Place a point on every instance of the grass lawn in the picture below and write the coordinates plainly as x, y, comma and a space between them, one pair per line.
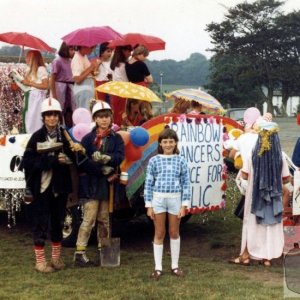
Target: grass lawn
207, 243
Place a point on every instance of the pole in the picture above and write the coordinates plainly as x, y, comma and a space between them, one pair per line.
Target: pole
161, 90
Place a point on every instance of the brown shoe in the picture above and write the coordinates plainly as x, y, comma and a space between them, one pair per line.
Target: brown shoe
43, 267
156, 274
57, 264
177, 272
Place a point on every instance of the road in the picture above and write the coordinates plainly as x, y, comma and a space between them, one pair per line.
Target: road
288, 133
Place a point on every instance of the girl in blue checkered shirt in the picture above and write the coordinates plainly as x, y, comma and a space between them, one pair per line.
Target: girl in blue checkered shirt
167, 194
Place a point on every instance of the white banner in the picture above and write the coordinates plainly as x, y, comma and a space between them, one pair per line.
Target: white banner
201, 144
11, 152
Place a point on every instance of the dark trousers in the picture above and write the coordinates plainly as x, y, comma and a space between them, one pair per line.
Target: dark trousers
47, 213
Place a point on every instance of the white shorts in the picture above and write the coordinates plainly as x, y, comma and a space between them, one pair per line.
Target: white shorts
165, 204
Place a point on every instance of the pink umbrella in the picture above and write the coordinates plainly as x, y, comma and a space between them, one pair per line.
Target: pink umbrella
24, 39
91, 36
152, 43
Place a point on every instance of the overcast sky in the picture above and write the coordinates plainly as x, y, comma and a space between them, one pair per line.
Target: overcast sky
181, 23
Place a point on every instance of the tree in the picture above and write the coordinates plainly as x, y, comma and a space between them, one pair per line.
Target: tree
249, 32
192, 71
231, 82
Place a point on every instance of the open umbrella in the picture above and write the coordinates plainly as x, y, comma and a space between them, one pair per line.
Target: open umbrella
152, 43
128, 90
25, 40
209, 103
91, 36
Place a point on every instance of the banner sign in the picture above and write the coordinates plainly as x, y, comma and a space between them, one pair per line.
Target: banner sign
12, 148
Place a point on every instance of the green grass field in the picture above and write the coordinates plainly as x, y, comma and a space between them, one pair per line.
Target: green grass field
208, 241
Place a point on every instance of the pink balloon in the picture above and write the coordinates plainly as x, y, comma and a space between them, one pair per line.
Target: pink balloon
251, 114
81, 115
80, 130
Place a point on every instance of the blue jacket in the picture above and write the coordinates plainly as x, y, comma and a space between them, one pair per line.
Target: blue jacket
92, 183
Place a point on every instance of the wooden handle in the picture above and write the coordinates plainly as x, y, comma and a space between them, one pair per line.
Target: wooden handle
111, 198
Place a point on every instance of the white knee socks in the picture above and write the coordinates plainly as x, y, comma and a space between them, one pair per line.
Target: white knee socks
158, 253
175, 251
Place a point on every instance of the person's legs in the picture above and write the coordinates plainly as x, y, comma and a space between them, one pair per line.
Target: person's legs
57, 215
174, 223
38, 217
89, 218
103, 228
159, 235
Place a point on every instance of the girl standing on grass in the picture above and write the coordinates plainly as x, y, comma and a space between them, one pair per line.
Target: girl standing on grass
167, 193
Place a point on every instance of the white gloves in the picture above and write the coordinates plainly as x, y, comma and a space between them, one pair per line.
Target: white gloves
102, 158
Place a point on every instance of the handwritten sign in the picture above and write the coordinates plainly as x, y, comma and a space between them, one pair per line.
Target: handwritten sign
201, 144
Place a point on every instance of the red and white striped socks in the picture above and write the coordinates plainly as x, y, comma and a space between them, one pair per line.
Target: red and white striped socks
39, 254
56, 250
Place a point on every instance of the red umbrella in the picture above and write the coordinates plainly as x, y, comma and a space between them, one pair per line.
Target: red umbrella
24, 39
91, 36
152, 43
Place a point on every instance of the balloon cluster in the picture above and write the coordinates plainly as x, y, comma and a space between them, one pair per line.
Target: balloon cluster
82, 119
134, 141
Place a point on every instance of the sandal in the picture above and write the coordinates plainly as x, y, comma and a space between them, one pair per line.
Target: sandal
156, 274
265, 262
239, 261
177, 272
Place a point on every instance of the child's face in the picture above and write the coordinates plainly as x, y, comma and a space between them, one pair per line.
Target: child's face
168, 146
103, 122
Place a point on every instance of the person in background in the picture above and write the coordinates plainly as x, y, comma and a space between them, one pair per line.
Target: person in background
117, 65
196, 108
136, 69
37, 78
61, 82
180, 107
83, 72
104, 72
264, 172
146, 111
46, 163
132, 115
167, 194
105, 151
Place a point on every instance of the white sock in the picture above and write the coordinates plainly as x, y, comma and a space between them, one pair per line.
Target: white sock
175, 251
158, 253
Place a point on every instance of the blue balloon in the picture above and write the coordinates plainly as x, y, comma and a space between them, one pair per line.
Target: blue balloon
139, 136
70, 131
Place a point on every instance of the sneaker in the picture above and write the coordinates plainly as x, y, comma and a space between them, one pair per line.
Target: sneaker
81, 260
43, 267
57, 264
48, 146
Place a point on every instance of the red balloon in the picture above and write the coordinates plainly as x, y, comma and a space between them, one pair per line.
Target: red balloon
132, 152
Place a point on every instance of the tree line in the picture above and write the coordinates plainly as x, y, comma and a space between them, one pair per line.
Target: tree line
256, 51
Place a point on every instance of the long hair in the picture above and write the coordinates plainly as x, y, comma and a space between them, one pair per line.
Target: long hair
146, 110
168, 133
119, 56
180, 106
35, 60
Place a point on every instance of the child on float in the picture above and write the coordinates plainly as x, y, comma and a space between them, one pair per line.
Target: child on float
105, 152
167, 195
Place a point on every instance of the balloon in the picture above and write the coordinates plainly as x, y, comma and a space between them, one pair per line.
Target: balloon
125, 136
251, 114
81, 115
80, 130
139, 136
132, 152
